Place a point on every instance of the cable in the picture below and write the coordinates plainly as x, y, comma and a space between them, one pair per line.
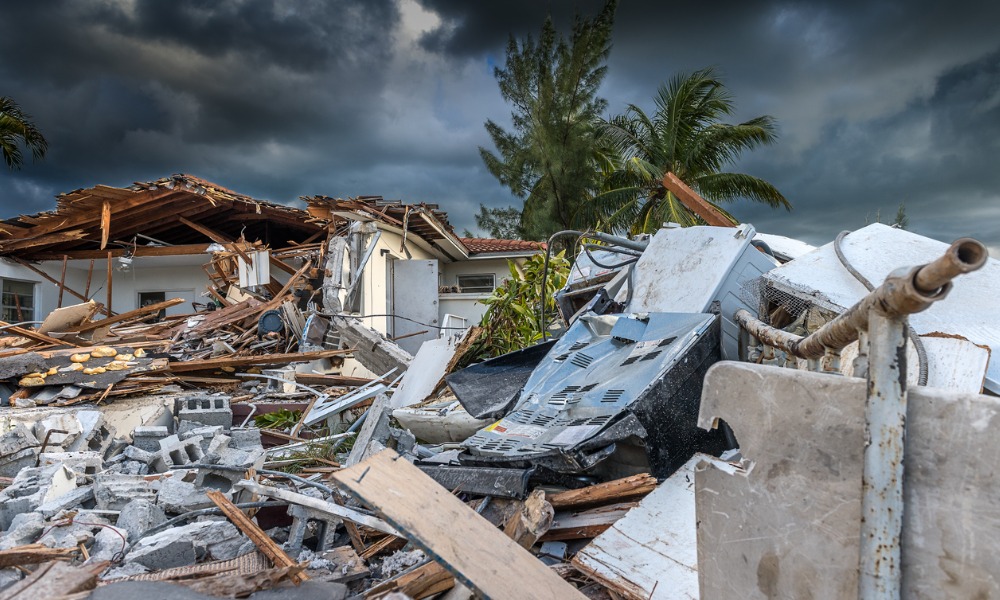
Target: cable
387, 315
200, 513
624, 263
918, 344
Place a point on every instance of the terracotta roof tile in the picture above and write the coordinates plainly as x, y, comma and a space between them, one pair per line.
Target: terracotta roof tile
486, 245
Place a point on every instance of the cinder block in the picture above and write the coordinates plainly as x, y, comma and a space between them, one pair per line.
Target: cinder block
148, 437
207, 410
113, 491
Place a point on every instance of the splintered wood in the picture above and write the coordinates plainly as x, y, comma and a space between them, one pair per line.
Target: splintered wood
466, 544
265, 544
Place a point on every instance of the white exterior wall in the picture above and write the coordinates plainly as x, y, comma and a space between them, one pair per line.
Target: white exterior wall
147, 274
469, 305
374, 278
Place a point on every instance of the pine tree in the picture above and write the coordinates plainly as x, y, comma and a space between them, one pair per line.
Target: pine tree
548, 157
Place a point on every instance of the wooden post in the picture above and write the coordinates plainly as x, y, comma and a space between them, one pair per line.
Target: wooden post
90, 273
108, 307
62, 281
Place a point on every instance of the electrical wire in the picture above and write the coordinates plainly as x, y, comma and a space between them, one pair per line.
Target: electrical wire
323, 314
918, 344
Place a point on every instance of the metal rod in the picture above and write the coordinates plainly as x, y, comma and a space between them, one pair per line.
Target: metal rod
880, 568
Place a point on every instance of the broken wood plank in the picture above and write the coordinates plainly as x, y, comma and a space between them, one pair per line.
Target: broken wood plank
450, 532
586, 524
619, 490
339, 380
264, 543
105, 223
532, 521
248, 361
55, 580
694, 202
422, 582
125, 316
110, 271
62, 281
321, 505
32, 554
140, 251
45, 275
32, 335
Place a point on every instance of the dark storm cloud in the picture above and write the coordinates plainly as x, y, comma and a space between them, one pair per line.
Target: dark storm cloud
877, 102
137, 90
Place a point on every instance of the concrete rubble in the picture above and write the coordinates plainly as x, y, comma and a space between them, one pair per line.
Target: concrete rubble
635, 455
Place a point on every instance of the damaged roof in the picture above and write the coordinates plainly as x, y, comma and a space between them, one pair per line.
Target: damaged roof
181, 210
187, 213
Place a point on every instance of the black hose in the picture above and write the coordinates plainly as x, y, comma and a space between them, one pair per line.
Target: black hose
586, 249
918, 344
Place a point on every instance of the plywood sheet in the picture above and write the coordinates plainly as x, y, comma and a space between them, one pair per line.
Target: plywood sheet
469, 546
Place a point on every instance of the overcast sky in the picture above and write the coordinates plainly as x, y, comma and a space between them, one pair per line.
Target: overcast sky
877, 102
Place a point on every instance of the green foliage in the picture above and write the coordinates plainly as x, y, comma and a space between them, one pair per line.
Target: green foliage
500, 223
16, 130
512, 319
280, 419
684, 135
548, 158
901, 221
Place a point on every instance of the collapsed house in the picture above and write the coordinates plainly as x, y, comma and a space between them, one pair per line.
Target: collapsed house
298, 416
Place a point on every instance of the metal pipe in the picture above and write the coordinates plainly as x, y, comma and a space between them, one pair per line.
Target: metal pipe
880, 568
902, 293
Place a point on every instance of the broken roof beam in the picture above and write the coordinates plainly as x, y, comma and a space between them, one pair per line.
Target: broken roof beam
695, 203
137, 252
371, 349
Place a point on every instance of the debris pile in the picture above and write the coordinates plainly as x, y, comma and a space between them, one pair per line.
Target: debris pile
225, 453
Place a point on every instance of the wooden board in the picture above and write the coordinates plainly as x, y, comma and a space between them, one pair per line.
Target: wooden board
469, 546
652, 552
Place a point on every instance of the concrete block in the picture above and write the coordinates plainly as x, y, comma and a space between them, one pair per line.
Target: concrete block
79, 497
164, 550
109, 542
207, 410
176, 453
63, 422
245, 438
84, 464
9, 577
305, 521
14, 463
218, 443
178, 496
18, 449
147, 437
139, 454
95, 434
139, 516
113, 491
24, 529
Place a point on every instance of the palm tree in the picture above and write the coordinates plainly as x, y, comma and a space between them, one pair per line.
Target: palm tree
684, 136
17, 129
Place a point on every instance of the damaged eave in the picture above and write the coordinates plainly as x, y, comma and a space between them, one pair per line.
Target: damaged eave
181, 211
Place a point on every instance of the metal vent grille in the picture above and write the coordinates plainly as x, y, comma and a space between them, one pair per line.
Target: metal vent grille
582, 360
612, 395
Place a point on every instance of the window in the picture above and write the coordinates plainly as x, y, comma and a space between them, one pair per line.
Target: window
18, 301
476, 284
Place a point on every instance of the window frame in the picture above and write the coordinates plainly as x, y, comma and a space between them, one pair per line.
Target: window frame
27, 313
479, 289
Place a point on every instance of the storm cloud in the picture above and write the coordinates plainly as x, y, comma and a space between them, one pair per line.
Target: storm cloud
878, 102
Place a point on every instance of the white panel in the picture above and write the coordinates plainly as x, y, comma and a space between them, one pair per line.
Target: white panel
415, 297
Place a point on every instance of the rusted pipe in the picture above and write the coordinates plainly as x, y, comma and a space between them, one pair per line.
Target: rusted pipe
904, 292
963, 256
